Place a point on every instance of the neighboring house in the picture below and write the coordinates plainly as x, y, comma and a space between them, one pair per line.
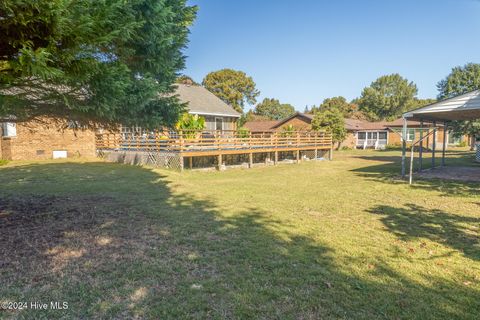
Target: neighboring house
44, 139
299, 121
360, 133
218, 115
260, 126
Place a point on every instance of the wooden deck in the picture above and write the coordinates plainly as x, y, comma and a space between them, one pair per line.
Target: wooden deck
212, 143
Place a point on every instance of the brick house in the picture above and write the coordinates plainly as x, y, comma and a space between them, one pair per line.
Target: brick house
47, 138
360, 133
44, 139
299, 121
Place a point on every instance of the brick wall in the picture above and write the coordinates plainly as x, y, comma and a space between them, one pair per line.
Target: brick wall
298, 123
395, 139
350, 140
37, 140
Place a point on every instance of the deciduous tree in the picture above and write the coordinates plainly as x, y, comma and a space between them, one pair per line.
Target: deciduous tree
232, 86
387, 98
461, 80
339, 103
274, 110
330, 120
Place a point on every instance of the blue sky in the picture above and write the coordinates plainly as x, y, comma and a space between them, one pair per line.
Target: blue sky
304, 51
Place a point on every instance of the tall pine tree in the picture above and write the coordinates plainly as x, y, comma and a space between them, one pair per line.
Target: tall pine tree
102, 61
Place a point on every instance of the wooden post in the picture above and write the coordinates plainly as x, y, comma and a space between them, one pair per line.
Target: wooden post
181, 162
297, 156
190, 162
315, 154
276, 158
219, 160
250, 160
444, 147
330, 153
434, 143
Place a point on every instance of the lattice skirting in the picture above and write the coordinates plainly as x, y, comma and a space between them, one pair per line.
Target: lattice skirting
169, 160
478, 152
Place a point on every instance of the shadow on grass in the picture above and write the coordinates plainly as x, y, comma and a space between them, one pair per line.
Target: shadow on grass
414, 221
118, 242
389, 172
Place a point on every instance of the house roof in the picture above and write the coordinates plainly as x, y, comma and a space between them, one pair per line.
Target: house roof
260, 126
203, 102
462, 107
306, 116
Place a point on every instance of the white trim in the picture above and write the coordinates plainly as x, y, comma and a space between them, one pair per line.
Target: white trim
214, 114
9, 129
377, 139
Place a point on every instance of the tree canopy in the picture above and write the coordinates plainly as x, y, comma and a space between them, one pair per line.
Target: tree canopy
387, 98
330, 120
272, 109
340, 103
103, 62
184, 79
233, 87
462, 80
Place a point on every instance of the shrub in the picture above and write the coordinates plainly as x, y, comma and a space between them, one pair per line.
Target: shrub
3, 162
190, 123
393, 146
287, 131
462, 144
243, 132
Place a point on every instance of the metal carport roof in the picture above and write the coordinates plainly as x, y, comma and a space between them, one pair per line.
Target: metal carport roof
462, 107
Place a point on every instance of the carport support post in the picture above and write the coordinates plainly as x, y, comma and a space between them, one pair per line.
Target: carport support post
434, 143
315, 154
181, 162
297, 156
420, 148
404, 145
190, 162
250, 160
276, 158
330, 153
444, 146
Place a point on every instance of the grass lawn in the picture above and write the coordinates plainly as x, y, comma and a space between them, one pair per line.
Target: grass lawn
331, 240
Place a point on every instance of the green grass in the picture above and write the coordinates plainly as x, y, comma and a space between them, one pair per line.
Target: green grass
333, 240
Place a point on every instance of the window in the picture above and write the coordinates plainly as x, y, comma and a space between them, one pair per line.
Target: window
9, 129
361, 135
411, 134
382, 136
219, 124
372, 136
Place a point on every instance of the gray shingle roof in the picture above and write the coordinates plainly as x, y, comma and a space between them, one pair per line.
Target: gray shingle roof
203, 102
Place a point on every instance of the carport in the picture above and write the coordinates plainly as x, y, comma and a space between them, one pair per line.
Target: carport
462, 107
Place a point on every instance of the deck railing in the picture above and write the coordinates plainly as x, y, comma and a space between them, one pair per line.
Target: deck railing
190, 141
